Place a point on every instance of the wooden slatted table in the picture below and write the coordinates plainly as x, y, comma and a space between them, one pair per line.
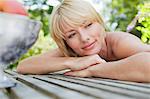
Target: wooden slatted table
58, 86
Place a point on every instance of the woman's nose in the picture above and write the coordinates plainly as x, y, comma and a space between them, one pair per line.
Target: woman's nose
84, 36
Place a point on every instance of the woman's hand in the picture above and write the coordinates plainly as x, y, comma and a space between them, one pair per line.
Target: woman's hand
133, 68
90, 71
81, 63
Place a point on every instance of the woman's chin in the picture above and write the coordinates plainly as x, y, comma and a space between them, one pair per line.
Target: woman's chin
92, 52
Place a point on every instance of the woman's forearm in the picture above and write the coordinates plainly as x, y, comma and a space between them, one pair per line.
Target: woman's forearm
42, 65
134, 68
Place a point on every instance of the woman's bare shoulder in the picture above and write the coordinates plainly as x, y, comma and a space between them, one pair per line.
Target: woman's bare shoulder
125, 44
119, 36
112, 37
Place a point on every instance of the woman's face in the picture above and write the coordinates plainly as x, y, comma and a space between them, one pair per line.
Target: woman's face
86, 39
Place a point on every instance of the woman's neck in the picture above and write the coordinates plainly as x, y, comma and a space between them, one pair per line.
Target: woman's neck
103, 51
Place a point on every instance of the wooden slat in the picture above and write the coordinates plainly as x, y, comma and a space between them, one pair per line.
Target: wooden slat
142, 85
55, 89
103, 86
113, 84
84, 89
22, 91
61, 92
145, 85
67, 87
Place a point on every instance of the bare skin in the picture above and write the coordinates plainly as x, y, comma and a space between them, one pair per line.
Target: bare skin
131, 61
125, 54
53, 61
114, 55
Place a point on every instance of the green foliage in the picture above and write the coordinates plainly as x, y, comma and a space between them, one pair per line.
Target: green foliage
144, 20
123, 12
39, 10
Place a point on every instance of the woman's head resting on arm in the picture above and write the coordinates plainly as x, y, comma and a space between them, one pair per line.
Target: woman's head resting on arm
77, 28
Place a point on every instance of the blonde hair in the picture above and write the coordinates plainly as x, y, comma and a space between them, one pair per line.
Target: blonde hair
72, 13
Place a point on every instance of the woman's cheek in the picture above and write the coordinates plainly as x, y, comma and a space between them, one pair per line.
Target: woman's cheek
72, 44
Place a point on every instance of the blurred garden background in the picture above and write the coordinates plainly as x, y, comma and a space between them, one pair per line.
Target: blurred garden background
119, 15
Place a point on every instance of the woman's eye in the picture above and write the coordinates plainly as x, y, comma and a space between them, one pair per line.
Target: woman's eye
88, 25
72, 35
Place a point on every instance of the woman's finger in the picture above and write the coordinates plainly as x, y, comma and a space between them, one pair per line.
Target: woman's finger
81, 73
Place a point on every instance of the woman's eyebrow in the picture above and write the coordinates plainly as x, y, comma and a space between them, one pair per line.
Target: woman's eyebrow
68, 31
84, 22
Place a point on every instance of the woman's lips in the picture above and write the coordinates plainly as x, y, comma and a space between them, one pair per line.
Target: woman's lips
89, 46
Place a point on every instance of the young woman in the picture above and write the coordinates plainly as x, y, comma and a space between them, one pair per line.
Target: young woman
88, 50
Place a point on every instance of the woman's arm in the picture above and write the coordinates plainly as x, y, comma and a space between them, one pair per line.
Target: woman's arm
134, 64
125, 45
41, 64
134, 68
54, 61
44, 63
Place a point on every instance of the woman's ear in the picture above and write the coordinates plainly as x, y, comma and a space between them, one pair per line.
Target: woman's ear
12, 6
